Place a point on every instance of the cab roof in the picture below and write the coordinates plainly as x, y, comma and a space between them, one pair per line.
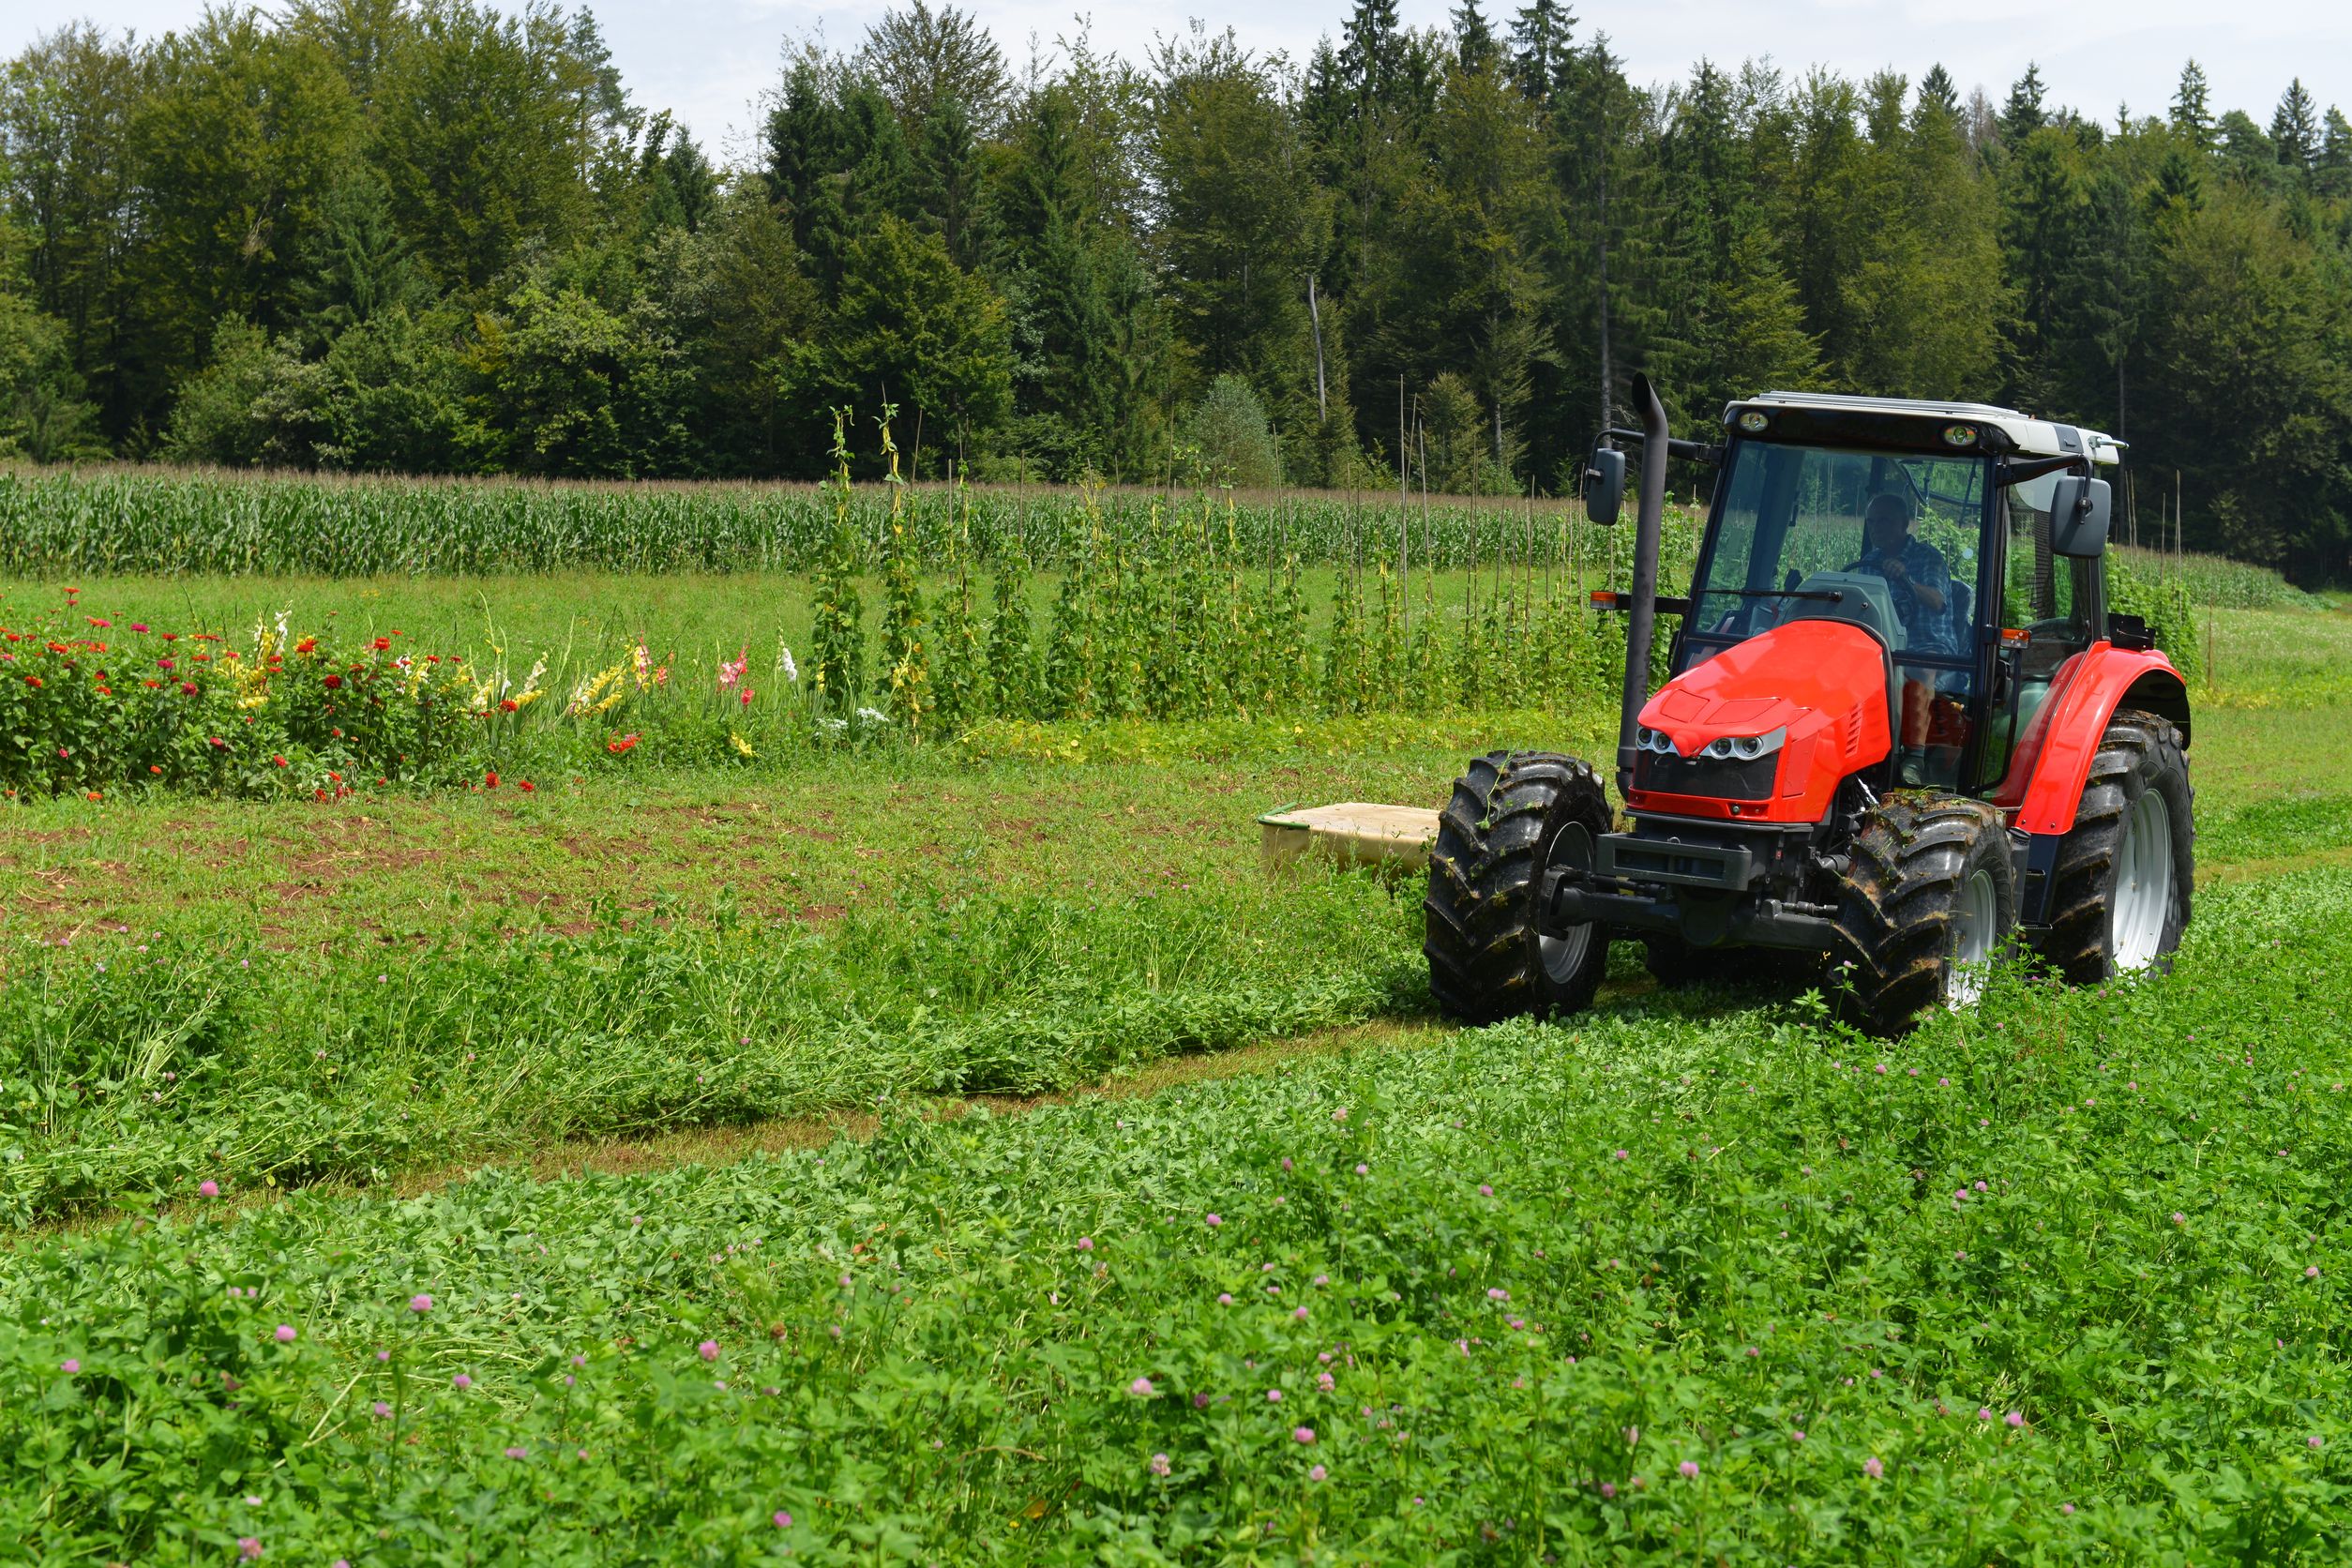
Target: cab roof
2024, 433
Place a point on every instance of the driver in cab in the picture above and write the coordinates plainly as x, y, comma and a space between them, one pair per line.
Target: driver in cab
1916, 575
1920, 582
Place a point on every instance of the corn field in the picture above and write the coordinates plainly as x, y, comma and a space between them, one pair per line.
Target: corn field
65, 522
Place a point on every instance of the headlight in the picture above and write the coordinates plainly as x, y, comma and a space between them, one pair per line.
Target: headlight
1744, 748
1648, 739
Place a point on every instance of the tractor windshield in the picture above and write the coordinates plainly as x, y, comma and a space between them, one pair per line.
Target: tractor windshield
1890, 540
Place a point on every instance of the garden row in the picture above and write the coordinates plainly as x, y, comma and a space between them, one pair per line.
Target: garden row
1176, 625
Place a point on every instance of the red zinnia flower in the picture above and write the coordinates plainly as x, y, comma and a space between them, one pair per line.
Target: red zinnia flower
616, 747
333, 681
524, 785
188, 688
155, 767
96, 622
32, 680
490, 780
507, 706
165, 664
380, 643
277, 760
306, 645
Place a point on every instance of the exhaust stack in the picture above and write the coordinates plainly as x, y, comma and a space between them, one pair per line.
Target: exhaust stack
1648, 517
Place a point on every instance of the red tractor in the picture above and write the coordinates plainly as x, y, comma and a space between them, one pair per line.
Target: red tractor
1901, 731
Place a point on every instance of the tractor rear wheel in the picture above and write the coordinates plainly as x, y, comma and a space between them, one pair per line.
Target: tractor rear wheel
2120, 894
1930, 902
1513, 816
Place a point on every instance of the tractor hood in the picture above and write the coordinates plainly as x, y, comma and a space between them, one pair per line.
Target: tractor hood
1816, 688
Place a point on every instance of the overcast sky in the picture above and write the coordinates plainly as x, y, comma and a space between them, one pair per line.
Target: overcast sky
708, 60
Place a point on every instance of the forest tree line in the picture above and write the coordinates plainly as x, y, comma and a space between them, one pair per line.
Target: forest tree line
428, 237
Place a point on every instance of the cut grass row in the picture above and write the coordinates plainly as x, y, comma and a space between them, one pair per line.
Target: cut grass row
230, 993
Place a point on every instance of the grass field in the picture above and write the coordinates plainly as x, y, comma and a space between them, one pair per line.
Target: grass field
1699, 1275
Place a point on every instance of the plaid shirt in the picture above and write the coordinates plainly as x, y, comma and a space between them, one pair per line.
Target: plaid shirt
1923, 629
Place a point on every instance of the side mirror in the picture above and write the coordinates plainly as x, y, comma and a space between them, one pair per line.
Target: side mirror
2079, 512
1604, 485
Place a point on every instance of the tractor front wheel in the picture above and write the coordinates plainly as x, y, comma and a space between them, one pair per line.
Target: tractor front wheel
1930, 902
1513, 816
2120, 894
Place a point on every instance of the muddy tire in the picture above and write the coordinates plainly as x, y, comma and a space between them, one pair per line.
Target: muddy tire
2120, 894
1929, 902
1510, 814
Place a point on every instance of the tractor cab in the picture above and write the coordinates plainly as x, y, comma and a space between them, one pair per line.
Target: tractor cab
1929, 526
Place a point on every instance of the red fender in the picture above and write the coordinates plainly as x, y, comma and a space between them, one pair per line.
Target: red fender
2052, 763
